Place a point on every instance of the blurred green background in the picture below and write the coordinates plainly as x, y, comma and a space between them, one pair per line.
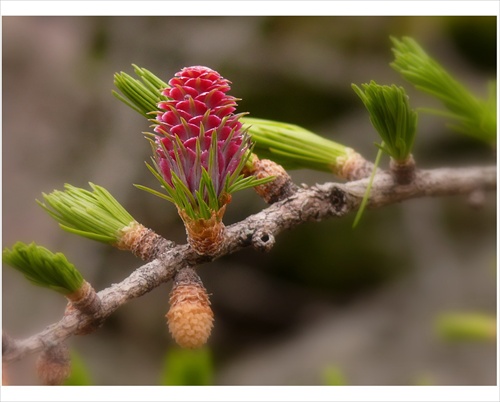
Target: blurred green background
363, 301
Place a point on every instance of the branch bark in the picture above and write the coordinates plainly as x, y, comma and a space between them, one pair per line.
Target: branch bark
259, 231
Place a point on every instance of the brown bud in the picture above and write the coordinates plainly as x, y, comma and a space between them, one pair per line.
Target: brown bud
280, 188
190, 318
205, 236
53, 366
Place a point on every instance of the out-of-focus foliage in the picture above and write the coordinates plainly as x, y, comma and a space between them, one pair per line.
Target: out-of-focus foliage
188, 367
466, 327
80, 373
334, 376
469, 114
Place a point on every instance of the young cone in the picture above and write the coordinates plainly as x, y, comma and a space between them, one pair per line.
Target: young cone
190, 318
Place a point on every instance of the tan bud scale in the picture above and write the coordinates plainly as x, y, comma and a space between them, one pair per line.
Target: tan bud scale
353, 166
205, 236
141, 241
279, 188
190, 318
85, 299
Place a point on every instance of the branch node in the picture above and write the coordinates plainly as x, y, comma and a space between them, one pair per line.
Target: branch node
338, 200
87, 301
403, 172
263, 241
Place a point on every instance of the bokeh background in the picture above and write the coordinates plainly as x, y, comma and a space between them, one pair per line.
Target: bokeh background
362, 301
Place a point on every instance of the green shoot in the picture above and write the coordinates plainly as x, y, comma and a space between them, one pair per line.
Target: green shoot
391, 116
43, 268
470, 115
142, 96
294, 147
95, 214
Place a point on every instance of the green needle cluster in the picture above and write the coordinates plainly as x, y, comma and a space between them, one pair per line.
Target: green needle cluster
294, 147
141, 95
470, 115
44, 268
392, 117
95, 214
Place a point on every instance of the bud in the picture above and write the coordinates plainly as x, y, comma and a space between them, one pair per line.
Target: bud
279, 188
190, 318
53, 366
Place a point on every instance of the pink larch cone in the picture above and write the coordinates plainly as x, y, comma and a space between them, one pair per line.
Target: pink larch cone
197, 131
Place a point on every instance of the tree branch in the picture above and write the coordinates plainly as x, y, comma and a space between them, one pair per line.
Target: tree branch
315, 203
